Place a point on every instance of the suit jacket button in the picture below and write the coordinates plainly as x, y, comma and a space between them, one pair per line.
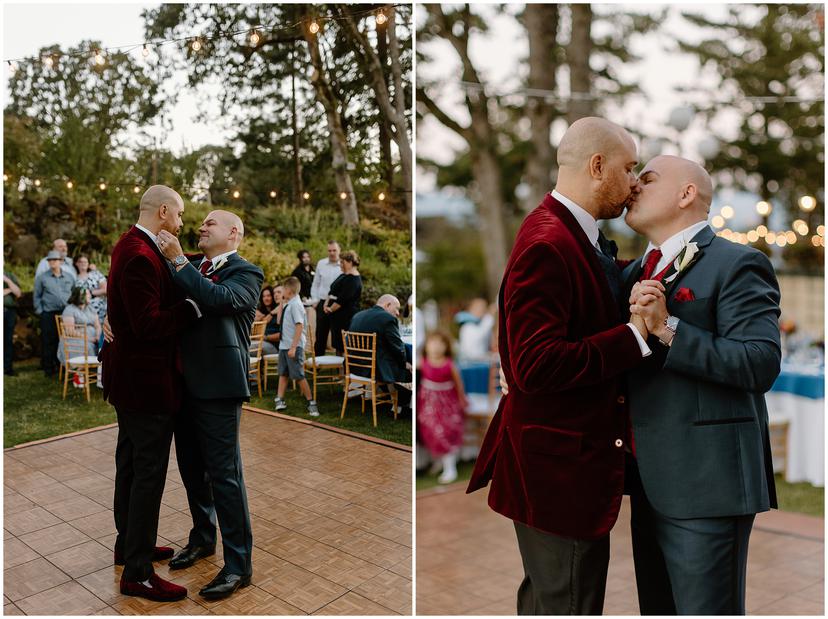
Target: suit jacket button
619, 442
621, 399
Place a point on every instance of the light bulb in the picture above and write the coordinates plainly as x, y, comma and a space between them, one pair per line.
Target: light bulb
196, 45
37, 182
236, 194
69, 184
752, 236
13, 66
762, 231
763, 208
381, 18
5, 177
770, 238
145, 51
306, 196
807, 203
314, 27
99, 58
727, 212
718, 221
821, 230
255, 38
48, 61
102, 186
136, 189
381, 196
343, 195
273, 194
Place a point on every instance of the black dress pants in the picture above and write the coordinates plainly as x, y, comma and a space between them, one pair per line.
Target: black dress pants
209, 460
693, 566
562, 576
323, 329
141, 458
49, 343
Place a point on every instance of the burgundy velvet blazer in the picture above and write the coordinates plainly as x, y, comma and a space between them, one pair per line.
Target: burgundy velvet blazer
141, 371
554, 451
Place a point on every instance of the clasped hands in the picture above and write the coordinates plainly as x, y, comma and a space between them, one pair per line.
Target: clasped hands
648, 308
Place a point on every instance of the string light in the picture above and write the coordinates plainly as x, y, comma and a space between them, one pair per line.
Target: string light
762, 231
381, 196
255, 38
306, 196
145, 51
807, 203
102, 186
381, 18
136, 189
770, 238
753, 236
343, 195
99, 57
314, 27
13, 66
196, 45
727, 212
236, 194
816, 240
763, 208
791, 236
718, 221
48, 61
821, 230
273, 193
781, 240
69, 184
5, 177
801, 227
37, 182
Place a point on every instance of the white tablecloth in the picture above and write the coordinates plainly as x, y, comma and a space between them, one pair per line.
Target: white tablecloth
806, 435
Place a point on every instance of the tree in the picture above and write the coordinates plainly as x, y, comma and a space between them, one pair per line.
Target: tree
770, 63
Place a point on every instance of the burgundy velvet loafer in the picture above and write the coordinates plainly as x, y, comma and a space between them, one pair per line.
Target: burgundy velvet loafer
159, 590
159, 554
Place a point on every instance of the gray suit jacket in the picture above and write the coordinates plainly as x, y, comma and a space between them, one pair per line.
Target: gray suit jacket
699, 418
215, 350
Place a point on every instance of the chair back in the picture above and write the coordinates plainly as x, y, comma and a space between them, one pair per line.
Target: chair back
257, 332
360, 352
73, 345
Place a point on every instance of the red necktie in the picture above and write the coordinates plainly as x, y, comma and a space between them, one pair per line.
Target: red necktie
650, 264
205, 266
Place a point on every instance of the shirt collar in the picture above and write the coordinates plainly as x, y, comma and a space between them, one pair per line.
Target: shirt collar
219, 257
153, 237
672, 246
584, 219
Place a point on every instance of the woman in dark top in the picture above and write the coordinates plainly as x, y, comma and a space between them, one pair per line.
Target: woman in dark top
343, 299
270, 310
304, 272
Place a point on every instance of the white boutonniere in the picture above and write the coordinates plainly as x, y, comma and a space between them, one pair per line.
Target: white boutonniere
220, 264
683, 260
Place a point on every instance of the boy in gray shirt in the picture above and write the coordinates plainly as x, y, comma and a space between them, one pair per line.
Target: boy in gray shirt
292, 347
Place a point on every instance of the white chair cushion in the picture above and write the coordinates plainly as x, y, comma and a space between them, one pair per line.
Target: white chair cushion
328, 360
362, 379
481, 405
88, 360
255, 360
271, 357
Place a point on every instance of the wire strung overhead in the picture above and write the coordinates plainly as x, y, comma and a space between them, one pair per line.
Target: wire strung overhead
256, 35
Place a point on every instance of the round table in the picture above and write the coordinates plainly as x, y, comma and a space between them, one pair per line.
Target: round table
798, 398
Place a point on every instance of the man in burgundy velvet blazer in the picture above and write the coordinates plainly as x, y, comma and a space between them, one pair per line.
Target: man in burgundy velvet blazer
554, 452
143, 381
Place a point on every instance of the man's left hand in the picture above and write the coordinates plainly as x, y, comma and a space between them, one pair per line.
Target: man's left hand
107, 330
169, 245
292, 352
654, 312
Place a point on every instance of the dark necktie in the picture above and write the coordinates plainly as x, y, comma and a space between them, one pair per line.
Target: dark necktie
605, 252
205, 267
650, 264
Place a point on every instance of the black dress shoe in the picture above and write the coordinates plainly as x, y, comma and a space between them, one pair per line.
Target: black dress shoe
189, 555
223, 585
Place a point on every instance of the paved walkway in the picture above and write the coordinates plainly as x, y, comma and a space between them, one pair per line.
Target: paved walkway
331, 518
468, 563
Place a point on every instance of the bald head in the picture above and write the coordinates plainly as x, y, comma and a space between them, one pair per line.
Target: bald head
589, 136
221, 232
390, 304
157, 196
673, 193
161, 208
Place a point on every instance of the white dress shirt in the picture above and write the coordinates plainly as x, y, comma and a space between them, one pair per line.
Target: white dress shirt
326, 273
215, 260
590, 228
671, 248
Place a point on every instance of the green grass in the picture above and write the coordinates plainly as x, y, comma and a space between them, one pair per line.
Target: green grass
801, 498
34, 409
329, 400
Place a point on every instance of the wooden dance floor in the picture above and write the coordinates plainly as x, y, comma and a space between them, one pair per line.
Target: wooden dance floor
331, 517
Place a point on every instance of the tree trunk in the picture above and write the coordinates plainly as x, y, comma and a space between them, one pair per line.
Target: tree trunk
298, 190
393, 110
577, 56
487, 176
382, 121
542, 27
339, 143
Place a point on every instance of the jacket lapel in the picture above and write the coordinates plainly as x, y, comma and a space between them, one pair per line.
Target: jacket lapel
588, 251
703, 238
149, 243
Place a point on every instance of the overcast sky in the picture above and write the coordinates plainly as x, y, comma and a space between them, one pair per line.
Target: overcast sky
31, 26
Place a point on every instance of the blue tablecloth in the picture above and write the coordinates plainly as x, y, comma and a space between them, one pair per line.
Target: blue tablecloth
475, 375
810, 385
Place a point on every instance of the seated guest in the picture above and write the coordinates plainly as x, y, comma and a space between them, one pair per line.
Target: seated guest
266, 304
343, 298
392, 366
273, 329
79, 316
94, 281
476, 331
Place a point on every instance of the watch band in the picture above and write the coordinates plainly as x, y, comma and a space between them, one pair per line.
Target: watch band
671, 324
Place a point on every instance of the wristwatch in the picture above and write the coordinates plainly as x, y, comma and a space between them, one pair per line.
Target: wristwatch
671, 324
179, 260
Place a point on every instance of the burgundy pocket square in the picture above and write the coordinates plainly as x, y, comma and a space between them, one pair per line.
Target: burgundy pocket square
684, 294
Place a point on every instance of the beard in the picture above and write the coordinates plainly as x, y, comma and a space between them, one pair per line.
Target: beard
613, 197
